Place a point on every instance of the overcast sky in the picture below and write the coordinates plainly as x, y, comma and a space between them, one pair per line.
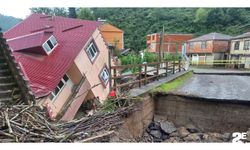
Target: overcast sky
20, 8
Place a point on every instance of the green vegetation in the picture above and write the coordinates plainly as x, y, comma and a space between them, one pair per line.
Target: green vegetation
131, 59
172, 85
138, 22
171, 57
150, 57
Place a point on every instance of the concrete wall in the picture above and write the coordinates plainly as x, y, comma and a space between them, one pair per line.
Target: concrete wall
207, 115
138, 121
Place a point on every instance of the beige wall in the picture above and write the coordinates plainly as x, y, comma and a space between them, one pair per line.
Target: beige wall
81, 66
56, 105
240, 51
92, 71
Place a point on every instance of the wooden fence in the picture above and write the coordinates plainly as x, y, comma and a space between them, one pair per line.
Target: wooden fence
146, 73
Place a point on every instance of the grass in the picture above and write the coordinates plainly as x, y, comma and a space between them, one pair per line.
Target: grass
174, 84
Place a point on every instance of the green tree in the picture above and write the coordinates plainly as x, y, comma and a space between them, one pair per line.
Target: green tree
56, 11
86, 14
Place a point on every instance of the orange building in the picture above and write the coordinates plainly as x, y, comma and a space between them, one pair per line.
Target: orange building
172, 42
112, 35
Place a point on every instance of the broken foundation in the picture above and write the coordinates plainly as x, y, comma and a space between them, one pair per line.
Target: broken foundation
209, 115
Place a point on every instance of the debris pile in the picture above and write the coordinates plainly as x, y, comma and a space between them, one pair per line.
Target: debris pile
22, 123
161, 130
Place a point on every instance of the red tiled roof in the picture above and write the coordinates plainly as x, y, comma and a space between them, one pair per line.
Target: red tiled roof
45, 72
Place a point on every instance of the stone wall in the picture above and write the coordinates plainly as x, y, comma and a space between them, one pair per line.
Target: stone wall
208, 115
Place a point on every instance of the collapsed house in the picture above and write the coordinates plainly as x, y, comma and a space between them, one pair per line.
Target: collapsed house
65, 61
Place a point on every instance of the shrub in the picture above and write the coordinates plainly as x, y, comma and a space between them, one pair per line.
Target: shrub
132, 59
149, 57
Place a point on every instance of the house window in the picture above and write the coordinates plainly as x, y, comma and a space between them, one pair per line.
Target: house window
236, 45
246, 45
59, 87
104, 76
203, 45
191, 45
50, 44
92, 51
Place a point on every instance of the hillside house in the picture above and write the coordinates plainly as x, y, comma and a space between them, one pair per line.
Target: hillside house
240, 49
172, 43
112, 35
207, 48
64, 59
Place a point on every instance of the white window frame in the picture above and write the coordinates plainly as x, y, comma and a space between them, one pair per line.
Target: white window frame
53, 94
92, 47
105, 72
46, 46
246, 45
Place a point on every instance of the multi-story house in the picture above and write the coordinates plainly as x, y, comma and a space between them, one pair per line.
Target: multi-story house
207, 48
65, 61
240, 50
171, 43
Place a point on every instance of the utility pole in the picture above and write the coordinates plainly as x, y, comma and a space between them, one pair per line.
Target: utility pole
161, 43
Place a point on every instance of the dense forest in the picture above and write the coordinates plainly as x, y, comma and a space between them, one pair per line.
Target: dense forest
138, 22
7, 22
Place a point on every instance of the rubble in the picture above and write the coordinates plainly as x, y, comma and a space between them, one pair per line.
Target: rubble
23, 123
161, 130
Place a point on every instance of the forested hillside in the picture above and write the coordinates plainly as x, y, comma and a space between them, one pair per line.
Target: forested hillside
138, 22
7, 22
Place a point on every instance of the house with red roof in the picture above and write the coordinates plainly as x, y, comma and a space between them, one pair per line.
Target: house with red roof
65, 61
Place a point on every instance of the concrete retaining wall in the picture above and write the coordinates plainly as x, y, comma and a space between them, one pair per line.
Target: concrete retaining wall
214, 116
138, 121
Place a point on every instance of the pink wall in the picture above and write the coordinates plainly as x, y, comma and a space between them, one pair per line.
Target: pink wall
92, 71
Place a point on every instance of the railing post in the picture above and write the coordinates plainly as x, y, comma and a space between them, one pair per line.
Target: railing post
145, 74
179, 65
140, 76
157, 72
173, 66
115, 79
166, 68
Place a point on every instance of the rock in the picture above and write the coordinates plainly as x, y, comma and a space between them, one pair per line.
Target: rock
226, 137
193, 137
183, 132
167, 127
156, 133
173, 140
164, 136
174, 134
192, 129
212, 137
154, 126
